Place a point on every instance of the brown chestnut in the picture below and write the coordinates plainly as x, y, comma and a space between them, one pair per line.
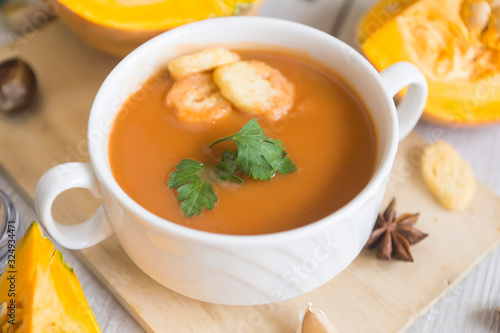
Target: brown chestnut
17, 85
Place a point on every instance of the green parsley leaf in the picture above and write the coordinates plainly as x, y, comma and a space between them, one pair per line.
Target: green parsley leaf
226, 167
284, 164
259, 156
229, 155
194, 191
224, 172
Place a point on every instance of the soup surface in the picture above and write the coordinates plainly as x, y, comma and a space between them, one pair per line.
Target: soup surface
329, 135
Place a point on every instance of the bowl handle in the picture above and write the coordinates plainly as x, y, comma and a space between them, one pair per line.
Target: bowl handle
411, 106
57, 180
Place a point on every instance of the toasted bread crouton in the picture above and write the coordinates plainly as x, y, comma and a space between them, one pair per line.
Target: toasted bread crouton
448, 175
205, 60
196, 99
256, 88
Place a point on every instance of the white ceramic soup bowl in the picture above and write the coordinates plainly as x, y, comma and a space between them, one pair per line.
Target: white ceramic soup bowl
228, 269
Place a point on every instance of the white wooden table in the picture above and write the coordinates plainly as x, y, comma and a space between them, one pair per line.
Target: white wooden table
472, 306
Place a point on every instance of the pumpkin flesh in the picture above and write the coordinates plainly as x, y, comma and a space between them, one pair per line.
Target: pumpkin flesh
119, 26
463, 75
150, 14
48, 296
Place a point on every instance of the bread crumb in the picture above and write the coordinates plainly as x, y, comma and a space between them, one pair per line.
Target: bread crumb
256, 88
196, 99
205, 60
448, 175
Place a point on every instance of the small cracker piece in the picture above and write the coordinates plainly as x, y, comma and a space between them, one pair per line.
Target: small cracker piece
448, 175
256, 88
205, 60
196, 99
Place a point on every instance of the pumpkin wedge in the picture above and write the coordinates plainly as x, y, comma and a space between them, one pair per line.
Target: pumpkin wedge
119, 26
461, 64
40, 293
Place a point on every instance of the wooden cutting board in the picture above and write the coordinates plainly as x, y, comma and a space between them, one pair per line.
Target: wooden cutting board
369, 296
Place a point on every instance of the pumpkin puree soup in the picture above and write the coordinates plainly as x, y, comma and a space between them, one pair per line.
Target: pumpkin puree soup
328, 134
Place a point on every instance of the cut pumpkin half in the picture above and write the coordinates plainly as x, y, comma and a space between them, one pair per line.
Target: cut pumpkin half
119, 26
463, 72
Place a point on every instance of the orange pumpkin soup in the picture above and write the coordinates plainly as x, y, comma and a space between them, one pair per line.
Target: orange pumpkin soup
328, 134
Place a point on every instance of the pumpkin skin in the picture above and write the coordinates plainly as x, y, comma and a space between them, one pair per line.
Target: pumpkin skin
48, 296
119, 26
431, 34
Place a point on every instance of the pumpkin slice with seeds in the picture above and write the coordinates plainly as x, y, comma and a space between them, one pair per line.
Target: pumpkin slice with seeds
452, 46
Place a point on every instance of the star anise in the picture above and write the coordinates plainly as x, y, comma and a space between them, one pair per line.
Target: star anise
393, 236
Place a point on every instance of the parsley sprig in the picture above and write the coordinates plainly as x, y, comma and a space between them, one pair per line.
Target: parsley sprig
258, 156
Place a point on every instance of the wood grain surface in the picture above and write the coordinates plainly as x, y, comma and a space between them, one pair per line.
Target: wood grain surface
481, 152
